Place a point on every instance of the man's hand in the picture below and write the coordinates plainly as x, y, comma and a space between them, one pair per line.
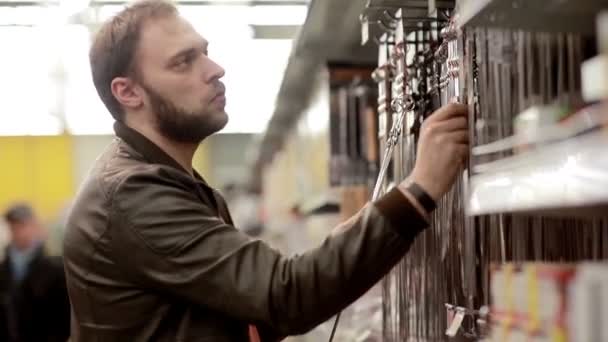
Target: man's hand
442, 149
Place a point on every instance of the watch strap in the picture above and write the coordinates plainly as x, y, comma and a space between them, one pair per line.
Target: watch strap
422, 197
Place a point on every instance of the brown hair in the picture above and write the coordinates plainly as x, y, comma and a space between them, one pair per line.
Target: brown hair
114, 46
19, 213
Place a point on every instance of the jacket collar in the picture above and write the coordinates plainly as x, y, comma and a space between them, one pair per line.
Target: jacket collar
154, 154
145, 146
149, 150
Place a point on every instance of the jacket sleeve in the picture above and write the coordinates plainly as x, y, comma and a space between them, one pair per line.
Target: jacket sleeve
169, 241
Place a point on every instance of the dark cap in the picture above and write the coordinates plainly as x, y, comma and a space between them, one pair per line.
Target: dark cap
19, 213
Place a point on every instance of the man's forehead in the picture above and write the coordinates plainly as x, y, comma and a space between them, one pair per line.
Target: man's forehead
164, 36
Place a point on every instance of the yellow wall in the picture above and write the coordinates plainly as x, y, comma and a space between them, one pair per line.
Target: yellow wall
47, 171
38, 170
200, 162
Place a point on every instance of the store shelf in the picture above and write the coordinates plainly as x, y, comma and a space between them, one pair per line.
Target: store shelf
567, 178
408, 4
536, 15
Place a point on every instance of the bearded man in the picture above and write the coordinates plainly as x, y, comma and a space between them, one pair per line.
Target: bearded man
150, 251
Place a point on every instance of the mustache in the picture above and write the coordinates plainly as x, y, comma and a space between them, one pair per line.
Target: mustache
220, 89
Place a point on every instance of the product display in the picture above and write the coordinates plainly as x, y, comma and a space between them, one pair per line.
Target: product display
534, 188
530, 302
529, 212
353, 126
544, 302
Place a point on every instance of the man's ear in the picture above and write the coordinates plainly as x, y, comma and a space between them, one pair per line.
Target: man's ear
126, 92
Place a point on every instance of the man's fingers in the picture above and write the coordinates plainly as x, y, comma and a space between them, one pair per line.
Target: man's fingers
453, 124
459, 137
461, 150
449, 111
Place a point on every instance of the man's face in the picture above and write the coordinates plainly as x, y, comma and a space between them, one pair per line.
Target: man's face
182, 87
24, 234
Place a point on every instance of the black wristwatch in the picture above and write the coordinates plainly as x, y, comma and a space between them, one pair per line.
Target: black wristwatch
422, 197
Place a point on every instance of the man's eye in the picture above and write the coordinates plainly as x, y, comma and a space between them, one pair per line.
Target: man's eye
184, 62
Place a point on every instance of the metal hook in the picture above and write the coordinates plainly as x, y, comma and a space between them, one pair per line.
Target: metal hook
386, 28
389, 15
445, 15
483, 313
363, 17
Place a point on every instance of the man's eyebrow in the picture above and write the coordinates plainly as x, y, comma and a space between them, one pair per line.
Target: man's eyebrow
190, 51
182, 53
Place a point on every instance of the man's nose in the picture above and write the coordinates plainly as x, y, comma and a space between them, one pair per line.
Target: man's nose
214, 71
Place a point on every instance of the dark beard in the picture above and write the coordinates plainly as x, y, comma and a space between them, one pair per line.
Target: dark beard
181, 125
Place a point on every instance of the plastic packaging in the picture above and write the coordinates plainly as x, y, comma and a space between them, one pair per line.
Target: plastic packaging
566, 168
594, 77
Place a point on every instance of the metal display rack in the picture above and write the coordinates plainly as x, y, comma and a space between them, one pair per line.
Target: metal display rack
536, 196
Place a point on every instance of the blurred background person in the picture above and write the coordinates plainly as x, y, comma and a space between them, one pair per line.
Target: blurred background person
34, 299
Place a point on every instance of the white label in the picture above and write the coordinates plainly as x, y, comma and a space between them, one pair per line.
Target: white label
455, 325
364, 32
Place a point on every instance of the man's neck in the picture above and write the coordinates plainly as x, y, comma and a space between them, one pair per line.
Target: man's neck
182, 153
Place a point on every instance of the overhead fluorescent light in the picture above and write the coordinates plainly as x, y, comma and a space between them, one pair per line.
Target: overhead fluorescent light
275, 31
277, 15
